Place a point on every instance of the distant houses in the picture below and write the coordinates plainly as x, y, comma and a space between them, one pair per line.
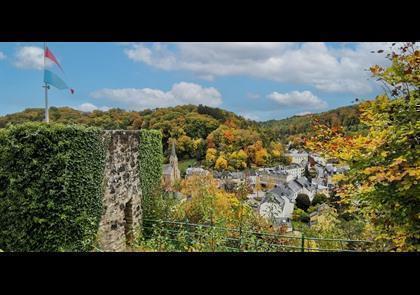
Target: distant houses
276, 190
279, 202
292, 188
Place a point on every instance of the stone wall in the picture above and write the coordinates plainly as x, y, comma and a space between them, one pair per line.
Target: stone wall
122, 193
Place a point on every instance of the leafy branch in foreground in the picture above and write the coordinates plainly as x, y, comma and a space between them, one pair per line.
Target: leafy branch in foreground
383, 183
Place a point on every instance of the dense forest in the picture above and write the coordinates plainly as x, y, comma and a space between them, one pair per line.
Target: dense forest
347, 117
217, 138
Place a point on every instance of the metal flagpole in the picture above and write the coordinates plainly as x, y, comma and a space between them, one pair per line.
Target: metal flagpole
47, 117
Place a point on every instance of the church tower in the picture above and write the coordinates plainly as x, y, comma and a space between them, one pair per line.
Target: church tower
173, 159
171, 171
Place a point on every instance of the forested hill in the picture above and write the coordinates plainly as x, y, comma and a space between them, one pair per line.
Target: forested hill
167, 119
121, 119
193, 121
347, 116
201, 132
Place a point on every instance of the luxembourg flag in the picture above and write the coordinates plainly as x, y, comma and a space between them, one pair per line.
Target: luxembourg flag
50, 77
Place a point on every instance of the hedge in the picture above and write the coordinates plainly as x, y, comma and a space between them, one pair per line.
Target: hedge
150, 165
50, 187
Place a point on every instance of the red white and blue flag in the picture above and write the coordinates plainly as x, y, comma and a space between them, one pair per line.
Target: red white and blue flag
52, 78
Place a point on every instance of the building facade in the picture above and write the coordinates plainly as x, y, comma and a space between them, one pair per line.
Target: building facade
298, 157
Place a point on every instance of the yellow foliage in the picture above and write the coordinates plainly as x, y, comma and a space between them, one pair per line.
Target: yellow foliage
221, 163
276, 150
211, 155
261, 157
206, 202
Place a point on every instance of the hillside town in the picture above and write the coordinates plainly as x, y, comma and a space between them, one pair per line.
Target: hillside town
169, 165
275, 191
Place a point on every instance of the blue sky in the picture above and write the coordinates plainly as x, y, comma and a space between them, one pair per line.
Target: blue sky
258, 80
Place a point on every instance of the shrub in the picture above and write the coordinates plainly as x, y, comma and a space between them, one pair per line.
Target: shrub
319, 198
50, 187
301, 215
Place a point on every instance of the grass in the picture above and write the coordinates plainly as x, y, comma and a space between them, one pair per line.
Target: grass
184, 164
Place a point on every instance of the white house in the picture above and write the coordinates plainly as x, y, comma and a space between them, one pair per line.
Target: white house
277, 206
277, 203
298, 157
196, 171
295, 170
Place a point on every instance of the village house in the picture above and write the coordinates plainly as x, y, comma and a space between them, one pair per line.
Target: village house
281, 174
318, 159
231, 180
331, 169
196, 171
321, 186
295, 170
307, 187
278, 203
277, 206
298, 157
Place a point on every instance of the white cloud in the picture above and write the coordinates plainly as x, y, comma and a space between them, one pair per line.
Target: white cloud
303, 113
330, 69
298, 99
180, 93
30, 57
88, 107
158, 56
2, 55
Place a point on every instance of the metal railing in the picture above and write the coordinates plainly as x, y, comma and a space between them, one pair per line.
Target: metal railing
213, 238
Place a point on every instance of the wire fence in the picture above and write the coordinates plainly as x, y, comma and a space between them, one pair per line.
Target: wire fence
184, 236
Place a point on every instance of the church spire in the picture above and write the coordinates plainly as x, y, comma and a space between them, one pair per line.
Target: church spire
173, 153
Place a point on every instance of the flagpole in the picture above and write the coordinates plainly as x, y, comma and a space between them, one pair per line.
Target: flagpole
47, 117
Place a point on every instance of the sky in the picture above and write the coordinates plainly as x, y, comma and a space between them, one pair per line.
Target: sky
260, 81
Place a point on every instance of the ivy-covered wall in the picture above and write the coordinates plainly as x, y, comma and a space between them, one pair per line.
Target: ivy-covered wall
150, 165
50, 187
52, 180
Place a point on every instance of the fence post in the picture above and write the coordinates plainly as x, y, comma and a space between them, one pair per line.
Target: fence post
302, 248
240, 239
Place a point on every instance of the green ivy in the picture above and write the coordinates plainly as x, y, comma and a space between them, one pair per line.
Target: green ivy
50, 187
150, 163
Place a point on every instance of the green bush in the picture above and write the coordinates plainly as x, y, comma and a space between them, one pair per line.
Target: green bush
150, 163
301, 216
50, 187
319, 199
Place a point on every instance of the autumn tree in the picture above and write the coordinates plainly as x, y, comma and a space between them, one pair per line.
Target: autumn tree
221, 163
383, 182
237, 160
211, 157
